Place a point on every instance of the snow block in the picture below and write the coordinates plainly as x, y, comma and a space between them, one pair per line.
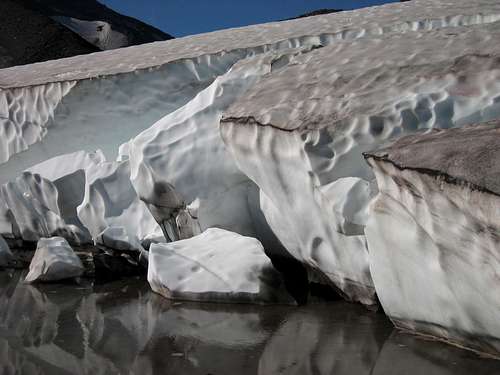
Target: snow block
215, 266
434, 234
54, 260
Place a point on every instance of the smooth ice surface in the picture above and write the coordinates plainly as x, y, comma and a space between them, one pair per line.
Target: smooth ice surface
54, 260
304, 127
5, 253
434, 236
215, 266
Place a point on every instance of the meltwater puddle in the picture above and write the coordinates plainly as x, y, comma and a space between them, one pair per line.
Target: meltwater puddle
124, 328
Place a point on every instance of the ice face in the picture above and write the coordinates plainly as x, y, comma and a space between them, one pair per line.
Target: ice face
433, 234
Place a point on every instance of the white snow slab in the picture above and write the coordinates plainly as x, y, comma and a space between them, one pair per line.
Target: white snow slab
434, 234
54, 260
5, 253
215, 266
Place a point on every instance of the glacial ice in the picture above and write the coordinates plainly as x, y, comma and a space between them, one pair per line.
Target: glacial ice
215, 266
434, 234
54, 260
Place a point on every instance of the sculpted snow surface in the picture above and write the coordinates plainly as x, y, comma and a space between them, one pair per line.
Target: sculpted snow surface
436, 273
304, 127
216, 266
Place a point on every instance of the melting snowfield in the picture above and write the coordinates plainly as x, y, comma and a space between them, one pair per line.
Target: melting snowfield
140, 153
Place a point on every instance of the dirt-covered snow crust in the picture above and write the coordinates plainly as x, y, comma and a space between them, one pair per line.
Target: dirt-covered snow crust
258, 130
434, 234
468, 155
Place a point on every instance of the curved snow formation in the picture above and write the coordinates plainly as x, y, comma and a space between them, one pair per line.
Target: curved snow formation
111, 209
435, 273
302, 130
216, 266
43, 201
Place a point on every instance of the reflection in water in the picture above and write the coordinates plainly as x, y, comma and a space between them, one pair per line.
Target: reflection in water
123, 328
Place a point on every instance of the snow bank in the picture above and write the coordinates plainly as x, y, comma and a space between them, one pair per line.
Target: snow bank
434, 234
54, 260
215, 266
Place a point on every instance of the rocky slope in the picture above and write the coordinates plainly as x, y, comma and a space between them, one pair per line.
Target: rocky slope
33, 31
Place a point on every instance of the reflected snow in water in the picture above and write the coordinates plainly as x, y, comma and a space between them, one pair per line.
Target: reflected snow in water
124, 328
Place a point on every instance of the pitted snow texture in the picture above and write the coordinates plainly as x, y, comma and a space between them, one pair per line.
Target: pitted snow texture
367, 22
216, 266
25, 114
469, 155
305, 126
434, 248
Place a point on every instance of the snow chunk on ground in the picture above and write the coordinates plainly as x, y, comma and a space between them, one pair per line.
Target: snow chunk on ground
434, 234
5, 253
215, 266
54, 260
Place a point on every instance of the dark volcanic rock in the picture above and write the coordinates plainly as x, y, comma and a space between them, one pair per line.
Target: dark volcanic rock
30, 31
27, 37
137, 32
317, 13
464, 155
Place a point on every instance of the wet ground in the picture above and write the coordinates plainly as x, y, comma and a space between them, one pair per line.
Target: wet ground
124, 328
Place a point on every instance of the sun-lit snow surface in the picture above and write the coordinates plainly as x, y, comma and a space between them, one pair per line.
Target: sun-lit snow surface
298, 133
434, 234
54, 260
98, 33
215, 266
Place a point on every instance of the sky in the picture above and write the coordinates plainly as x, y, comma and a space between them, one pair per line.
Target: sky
187, 17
